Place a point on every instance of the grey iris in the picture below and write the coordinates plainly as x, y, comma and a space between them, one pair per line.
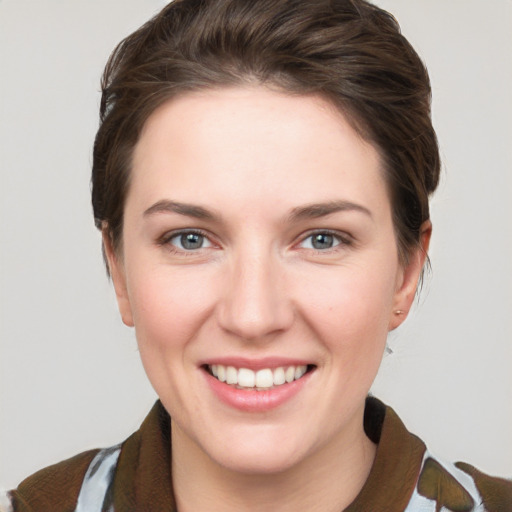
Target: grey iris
322, 241
191, 240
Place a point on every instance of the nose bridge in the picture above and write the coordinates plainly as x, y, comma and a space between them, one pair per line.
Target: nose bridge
255, 302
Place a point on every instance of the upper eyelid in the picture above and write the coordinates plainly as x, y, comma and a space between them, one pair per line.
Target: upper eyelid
169, 235
343, 236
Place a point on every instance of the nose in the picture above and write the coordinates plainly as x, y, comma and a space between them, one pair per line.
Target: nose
255, 305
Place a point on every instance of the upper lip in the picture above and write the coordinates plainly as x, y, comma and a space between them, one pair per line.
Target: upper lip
256, 364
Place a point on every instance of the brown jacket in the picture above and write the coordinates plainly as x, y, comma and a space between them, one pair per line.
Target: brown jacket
404, 476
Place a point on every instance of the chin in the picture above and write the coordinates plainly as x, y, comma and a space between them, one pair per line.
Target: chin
259, 462
265, 452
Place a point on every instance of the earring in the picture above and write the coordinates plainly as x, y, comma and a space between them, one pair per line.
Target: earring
399, 312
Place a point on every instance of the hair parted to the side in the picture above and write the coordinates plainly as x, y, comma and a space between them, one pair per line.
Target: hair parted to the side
348, 51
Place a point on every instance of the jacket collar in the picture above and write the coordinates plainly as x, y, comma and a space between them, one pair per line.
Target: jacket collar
143, 478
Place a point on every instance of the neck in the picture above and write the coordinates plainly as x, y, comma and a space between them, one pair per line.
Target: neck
327, 481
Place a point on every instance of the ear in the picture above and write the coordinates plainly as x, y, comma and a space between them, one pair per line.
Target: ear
409, 277
118, 276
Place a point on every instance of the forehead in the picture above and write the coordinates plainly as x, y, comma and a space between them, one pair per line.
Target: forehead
251, 143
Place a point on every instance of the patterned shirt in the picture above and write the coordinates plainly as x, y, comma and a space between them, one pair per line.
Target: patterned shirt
136, 476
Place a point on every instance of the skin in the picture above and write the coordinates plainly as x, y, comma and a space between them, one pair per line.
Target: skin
258, 288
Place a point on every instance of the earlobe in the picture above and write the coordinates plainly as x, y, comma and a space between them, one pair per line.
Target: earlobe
118, 279
409, 279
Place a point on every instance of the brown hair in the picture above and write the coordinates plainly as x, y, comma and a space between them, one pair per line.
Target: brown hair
349, 51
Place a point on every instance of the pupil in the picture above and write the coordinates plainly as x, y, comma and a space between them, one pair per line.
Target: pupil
322, 241
191, 241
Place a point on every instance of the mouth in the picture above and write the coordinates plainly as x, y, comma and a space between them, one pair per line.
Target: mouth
263, 379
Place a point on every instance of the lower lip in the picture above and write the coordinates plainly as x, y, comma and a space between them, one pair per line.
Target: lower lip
251, 400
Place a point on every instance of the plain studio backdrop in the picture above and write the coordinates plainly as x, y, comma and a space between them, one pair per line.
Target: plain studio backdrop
70, 374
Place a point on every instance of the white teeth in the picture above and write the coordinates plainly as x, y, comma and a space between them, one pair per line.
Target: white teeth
246, 378
231, 375
299, 372
221, 372
264, 378
279, 377
261, 379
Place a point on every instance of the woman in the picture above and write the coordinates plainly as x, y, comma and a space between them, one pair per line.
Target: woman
261, 178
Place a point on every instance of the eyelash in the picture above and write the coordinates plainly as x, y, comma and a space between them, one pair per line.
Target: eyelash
343, 240
165, 241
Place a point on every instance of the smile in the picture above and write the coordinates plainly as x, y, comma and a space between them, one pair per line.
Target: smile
260, 380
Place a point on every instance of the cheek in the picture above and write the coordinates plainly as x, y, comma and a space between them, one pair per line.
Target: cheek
349, 307
169, 307
170, 311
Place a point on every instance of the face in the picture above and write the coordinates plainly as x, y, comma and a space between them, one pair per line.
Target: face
259, 267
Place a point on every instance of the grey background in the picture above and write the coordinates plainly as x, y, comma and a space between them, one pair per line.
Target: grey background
70, 376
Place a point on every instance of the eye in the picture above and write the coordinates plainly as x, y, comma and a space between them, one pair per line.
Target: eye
189, 241
321, 241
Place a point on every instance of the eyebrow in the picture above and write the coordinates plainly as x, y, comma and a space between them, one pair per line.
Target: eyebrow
190, 210
317, 210
310, 211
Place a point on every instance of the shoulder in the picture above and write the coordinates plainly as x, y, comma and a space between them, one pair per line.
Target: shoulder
406, 476
496, 492
459, 487
86, 481
55, 488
